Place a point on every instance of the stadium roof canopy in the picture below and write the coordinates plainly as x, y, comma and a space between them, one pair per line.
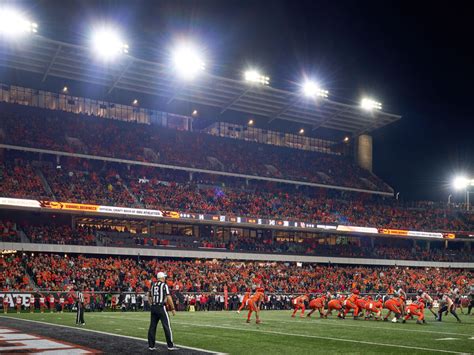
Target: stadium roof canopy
47, 57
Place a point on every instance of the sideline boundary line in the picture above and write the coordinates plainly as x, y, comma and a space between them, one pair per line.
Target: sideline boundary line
112, 334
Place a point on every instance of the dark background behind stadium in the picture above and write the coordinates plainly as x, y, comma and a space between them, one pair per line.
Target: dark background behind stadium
413, 57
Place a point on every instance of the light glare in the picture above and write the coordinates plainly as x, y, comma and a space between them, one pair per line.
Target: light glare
107, 44
187, 61
369, 104
311, 89
13, 23
254, 77
462, 182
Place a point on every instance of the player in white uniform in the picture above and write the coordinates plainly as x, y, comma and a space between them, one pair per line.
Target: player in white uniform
446, 305
428, 301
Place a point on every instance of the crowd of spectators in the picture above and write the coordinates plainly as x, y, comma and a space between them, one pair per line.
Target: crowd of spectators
8, 231
59, 234
61, 131
13, 275
58, 273
88, 186
114, 185
18, 179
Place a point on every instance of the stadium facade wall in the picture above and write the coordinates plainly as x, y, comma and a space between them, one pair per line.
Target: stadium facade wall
215, 254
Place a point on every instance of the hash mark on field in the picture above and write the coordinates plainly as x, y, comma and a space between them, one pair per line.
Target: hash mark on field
448, 339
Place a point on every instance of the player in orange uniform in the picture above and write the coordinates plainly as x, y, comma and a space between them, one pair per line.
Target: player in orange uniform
361, 303
298, 303
351, 303
335, 304
317, 304
393, 305
244, 301
416, 309
372, 307
253, 305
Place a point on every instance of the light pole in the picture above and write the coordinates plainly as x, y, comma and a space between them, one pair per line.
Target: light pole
463, 183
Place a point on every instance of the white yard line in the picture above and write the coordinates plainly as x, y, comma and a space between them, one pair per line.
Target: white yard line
113, 334
329, 322
322, 338
341, 323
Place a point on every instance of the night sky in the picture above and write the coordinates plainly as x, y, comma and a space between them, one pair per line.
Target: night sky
414, 57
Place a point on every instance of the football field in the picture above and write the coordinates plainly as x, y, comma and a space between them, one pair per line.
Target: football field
227, 332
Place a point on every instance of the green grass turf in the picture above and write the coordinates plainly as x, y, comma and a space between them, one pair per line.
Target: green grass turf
280, 334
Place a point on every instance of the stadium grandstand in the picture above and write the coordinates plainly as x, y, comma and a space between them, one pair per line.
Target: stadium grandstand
212, 183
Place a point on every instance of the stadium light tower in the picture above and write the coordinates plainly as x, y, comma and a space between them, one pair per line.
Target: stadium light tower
188, 62
369, 104
253, 76
312, 90
14, 24
463, 183
107, 43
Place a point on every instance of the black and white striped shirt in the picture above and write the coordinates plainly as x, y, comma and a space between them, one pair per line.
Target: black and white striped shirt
159, 290
80, 297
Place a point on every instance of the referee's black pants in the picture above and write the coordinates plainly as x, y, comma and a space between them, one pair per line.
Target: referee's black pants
159, 313
80, 313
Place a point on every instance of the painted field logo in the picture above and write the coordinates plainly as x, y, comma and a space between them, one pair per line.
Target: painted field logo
15, 341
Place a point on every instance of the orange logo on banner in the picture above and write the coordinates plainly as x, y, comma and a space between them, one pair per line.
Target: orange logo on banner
171, 214
68, 206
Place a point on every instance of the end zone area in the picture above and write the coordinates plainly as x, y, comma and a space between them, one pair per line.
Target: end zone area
227, 332
22, 335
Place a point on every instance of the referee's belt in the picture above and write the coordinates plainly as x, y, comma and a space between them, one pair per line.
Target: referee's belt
158, 304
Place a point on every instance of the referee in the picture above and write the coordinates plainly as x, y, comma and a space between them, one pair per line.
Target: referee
159, 296
80, 308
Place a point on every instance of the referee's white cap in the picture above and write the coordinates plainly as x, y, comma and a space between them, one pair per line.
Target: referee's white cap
161, 275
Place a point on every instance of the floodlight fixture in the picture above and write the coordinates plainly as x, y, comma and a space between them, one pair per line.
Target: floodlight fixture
195, 112
15, 24
462, 183
188, 62
301, 131
255, 77
251, 122
369, 104
65, 90
107, 43
135, 102
346, 139
312, 89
